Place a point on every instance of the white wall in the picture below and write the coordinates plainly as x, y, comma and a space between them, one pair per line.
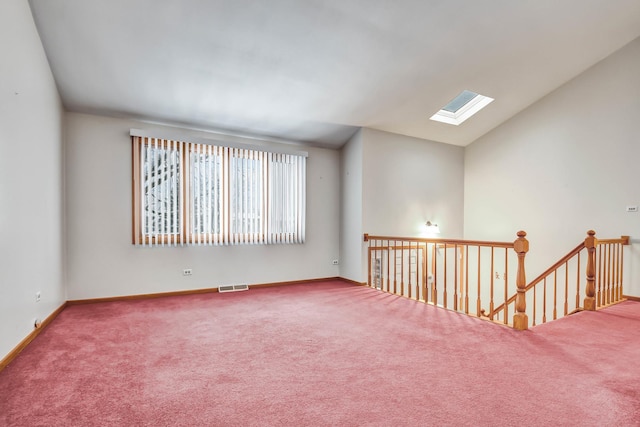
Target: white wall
566, 164
102, 260
351, 252
392, 185
31, 181
409, 181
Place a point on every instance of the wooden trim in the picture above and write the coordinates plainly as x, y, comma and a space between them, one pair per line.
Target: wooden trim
351, 282
623, 240
631, 298
293, 282
142, 296
439, 241
32, 335
195, 291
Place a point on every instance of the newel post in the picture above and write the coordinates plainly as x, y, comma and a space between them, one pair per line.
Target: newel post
520, 319
590, 243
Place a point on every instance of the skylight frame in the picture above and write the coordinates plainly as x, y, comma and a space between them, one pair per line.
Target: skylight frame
474, 105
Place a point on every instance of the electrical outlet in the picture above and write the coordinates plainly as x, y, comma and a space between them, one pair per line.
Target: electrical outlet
38, 296
187, 272
335, 262
632, 209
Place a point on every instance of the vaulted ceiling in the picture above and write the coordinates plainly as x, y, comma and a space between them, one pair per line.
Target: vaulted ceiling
316, 70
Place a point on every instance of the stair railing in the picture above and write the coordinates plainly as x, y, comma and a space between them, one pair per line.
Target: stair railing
454, 273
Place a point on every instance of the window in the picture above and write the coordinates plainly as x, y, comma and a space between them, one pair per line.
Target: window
460, 108
201, 194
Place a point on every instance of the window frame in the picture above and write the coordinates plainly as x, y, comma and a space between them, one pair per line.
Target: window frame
266, 233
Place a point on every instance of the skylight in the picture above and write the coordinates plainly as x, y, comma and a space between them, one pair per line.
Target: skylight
462, 107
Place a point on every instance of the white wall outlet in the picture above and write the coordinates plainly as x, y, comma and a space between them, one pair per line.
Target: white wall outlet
187, 272
38, 295
632, 208
334, 262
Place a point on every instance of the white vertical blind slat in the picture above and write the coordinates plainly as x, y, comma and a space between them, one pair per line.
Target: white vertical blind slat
193, 193
154, 223
243, 209
216, 216
209, 195
162, 180
227, 198
303, 204
184, 212
176, 190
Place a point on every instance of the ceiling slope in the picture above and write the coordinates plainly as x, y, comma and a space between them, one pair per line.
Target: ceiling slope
316, 70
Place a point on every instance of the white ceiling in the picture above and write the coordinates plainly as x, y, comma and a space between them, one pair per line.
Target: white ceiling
316, 70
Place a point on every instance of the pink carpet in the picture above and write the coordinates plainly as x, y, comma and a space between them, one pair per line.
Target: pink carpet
321, 354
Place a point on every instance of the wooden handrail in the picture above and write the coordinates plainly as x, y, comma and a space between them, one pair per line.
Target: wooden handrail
624, 240
508, 245
541, 277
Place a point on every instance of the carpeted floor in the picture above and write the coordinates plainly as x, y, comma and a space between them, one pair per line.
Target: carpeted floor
321, 354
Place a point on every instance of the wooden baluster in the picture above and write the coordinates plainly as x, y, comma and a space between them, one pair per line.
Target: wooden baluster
578, 282
620, 290
590, 244
409, 287
620, 272
424, 272
466, 280
605, 273
534, 305
402, 289
506, 286
616, 281
434, 266
520, 319
478, 298
395, 268
555, 294
544, 301
616, 262
608, 291
600, 280
444, 295
566, 288
388, 266
380, 259
369, 283
455, 277
491, 286
417, 271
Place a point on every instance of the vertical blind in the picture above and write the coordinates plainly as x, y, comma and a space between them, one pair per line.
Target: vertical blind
201, 194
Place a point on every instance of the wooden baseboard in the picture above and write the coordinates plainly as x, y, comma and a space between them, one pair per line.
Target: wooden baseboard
631, 298
199, 291
352, 282
32, 335
292, 282
142, 296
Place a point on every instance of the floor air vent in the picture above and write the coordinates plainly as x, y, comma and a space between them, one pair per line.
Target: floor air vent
233, 288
